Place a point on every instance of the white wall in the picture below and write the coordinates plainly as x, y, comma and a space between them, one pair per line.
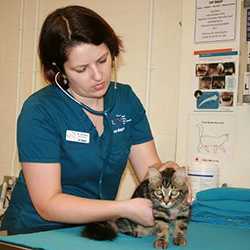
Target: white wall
157, 63
151, 33
237, 170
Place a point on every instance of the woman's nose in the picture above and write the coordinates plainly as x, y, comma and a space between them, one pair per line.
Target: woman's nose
96, 73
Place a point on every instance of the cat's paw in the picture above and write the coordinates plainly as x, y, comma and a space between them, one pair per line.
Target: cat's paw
180, 241
161, 243
139, 232
135, 234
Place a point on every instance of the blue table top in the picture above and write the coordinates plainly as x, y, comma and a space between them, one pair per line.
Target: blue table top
200, 236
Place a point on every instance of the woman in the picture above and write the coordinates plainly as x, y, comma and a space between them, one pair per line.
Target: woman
75, 135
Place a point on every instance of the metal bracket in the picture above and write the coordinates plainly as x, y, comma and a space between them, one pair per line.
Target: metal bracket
246, 3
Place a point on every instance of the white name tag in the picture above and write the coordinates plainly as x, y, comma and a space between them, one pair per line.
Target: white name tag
76, 136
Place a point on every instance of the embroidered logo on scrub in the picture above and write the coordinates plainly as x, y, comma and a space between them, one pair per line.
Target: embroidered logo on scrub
77, 136
119, 121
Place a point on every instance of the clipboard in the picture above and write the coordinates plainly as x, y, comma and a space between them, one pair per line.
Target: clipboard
10, 246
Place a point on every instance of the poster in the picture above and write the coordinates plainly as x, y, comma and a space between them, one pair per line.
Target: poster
215, 80
215, 20
248, 26
210, 143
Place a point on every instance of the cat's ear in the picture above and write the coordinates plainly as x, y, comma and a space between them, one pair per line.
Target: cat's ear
154, 176
180, 176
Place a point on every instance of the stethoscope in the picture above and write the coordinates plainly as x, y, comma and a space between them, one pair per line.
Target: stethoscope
105, 112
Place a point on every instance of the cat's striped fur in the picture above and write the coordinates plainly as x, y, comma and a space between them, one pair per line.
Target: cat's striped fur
168, 192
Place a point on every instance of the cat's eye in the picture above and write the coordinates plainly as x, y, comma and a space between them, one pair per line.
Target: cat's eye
158, 193
174, 193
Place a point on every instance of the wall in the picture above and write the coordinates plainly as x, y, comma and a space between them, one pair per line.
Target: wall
151, 33
158, 38
9, 51
237, 170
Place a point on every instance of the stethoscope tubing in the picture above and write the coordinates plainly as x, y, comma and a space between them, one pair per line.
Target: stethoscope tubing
84, 106
105, 113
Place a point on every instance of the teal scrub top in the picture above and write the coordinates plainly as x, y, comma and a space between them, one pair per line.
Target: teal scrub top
52, 128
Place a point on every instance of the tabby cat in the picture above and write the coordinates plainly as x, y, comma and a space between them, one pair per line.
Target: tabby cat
168, 192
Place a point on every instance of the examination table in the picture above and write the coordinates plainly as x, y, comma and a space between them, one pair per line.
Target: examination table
220, 221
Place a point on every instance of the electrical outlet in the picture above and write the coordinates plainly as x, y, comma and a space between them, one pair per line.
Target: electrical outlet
6, 191
10, 180
246, 99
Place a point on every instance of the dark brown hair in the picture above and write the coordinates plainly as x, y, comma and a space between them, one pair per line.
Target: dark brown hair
67, 27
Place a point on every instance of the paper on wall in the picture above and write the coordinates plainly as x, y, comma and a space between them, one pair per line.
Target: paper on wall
215, 81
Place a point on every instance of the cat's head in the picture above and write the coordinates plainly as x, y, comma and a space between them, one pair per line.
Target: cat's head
168, 187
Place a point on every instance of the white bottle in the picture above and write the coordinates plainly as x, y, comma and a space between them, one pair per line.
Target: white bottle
203, 174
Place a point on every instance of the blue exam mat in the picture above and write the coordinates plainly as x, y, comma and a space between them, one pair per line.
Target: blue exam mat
201, 236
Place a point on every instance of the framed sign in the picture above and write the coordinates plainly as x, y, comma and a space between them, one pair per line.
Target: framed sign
215, 20
248, 25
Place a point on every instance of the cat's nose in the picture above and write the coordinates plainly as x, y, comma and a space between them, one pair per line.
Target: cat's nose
166, 199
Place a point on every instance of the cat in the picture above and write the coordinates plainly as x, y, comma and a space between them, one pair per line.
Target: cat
168, 192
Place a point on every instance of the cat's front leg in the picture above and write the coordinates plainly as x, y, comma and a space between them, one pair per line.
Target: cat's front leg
180, 232
162, 232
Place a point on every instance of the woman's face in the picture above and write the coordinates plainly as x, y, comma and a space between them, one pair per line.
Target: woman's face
88, 69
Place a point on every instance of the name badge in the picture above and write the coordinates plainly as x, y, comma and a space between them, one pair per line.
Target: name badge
76, 136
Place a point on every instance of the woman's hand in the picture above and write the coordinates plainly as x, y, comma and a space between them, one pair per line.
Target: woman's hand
168, 164
139, 210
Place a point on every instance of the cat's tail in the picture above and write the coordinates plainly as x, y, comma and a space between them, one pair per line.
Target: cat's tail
100, 231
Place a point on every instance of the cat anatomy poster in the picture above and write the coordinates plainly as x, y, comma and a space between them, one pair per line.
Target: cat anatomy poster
210, 141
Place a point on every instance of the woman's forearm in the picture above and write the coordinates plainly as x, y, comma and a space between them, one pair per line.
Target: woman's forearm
67, 208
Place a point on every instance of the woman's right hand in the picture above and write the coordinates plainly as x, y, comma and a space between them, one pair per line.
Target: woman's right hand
139, 210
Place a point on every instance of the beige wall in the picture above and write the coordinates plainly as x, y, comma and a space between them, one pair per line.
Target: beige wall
9, 57
157, 63
151, 33
236, 172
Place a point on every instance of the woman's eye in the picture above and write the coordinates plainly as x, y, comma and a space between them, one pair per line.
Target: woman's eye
103, 60
80, 70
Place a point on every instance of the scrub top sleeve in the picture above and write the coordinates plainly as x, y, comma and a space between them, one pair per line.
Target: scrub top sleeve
140, 130
37, 138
